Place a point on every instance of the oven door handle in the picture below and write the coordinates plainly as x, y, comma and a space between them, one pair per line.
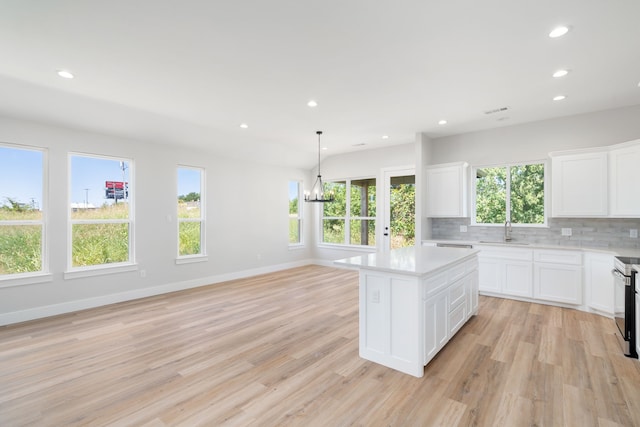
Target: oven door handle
621, 276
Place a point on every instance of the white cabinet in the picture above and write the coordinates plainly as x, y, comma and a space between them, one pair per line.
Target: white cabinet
446, 190
506, 271
579, 184
599, 282
624, 191
436, 325
558, 276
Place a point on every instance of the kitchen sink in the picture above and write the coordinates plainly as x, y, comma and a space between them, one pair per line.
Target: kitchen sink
502, 242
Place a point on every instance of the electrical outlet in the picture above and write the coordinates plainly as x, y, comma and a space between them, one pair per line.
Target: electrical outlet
633, 233
566, 232
463, 228
143, 273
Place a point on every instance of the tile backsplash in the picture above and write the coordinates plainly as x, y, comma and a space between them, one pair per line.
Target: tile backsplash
587, 232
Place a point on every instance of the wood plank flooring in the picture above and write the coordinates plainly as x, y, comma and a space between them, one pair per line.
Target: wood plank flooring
282, 350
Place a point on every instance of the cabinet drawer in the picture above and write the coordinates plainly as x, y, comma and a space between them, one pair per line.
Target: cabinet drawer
558, 257
457, 272
456, 319
506, 253
457, 294
434, 284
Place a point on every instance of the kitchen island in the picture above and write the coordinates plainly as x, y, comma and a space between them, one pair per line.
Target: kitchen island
412, 302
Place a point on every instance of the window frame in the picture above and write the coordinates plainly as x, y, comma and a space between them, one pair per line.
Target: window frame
346, 243
202, 256
300, 216
99, 269
508, 166
42, 275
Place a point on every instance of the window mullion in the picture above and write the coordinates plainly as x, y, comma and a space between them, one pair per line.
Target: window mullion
508, 194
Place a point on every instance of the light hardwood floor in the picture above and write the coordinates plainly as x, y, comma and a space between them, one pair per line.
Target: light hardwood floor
282, 349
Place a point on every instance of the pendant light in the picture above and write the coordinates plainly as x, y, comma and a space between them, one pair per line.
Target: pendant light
317, 191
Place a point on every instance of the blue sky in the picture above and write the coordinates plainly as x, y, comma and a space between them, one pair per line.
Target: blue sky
21, 177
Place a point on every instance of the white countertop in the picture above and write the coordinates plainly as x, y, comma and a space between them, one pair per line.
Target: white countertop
415, 261
630, 252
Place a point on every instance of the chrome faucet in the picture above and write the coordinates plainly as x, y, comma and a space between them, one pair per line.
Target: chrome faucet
507, 231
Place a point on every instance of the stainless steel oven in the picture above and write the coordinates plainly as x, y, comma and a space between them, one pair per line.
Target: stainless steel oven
624, 303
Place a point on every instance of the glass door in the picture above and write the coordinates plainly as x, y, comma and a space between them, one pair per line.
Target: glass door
399, 213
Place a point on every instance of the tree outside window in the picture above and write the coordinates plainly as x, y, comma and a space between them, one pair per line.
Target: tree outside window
295, 213
510, 193
22, 225
350, 218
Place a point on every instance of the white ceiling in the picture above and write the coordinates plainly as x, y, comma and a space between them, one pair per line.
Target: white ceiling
190, 71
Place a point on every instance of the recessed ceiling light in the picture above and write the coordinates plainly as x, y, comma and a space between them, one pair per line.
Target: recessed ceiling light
559, 97
442, 122
559, 32
325, 148
385, 136
560, 73
65, 74
244, 125
312, 103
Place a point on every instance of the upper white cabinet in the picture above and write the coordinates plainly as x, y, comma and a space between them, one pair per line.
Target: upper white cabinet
599, 182
579, 185
446, 190
624, 191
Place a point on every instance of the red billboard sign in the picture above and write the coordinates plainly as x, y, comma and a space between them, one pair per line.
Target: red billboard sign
116, 190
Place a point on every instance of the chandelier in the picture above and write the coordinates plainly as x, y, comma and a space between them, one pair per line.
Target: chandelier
317, 191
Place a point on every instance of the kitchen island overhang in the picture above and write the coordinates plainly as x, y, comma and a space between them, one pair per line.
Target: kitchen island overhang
412, 301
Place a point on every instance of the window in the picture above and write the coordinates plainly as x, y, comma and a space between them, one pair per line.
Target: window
22, 226
100, 211
510, 193
295, 213
350, 219
191, 229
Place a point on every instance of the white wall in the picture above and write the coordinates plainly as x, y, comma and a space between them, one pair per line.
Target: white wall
247, 216
533, 141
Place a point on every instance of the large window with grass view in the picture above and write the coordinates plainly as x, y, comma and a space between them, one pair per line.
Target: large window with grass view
191, 230
22, 225
350, 218
100, 211
295, 213
514, 193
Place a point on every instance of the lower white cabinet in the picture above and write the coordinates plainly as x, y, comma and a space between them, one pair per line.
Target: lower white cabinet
505, 271
558, 276
598, 282
436, 324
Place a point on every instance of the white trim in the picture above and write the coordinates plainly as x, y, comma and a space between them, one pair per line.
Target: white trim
83, 304
190, 259
21, 279
99, 270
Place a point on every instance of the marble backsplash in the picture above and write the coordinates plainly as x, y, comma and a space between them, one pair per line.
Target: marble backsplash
585, 232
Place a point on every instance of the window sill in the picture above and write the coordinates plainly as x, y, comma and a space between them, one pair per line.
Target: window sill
352, 248
99, 270
24, 279
191, 259
296, 246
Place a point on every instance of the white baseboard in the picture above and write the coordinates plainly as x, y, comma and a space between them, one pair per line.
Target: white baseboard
83, 304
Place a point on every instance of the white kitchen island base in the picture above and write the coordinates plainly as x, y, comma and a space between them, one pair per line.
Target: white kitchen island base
412, 302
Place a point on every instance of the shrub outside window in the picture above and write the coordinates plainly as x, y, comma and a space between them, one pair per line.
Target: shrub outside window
514, 193
100, 211
350, 219
191, 230
295, 213
22, 225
